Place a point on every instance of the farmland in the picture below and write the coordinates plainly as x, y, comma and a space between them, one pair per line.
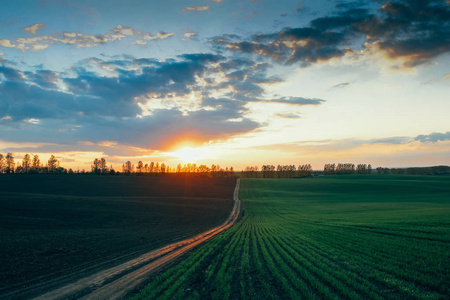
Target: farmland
333, 237
54, 226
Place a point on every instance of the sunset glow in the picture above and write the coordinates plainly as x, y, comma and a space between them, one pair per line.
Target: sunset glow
191, 155
234, 83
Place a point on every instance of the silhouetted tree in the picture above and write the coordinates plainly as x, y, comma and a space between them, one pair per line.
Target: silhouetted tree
9, 163
128, 167
231, 172
103, 167
2, 164
36, 164
346, 168
329, 169
361, 169
26, 163
140, 166
95, 166
19, 168
52, 164
305, 170
203, 169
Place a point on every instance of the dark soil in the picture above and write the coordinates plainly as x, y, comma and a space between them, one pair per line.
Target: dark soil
54, 225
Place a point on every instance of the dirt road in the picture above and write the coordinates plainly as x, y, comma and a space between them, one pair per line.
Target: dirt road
117, 282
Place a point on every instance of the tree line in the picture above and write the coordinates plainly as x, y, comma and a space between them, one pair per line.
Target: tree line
29, 164
305, 170
347, 168
436, 170
281, 171
186, 169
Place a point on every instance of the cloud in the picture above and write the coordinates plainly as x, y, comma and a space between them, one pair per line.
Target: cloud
188, 35
33, 28
83, 40
10, 73
316, 146
300, 101
44, 78
340, 85
294, 45
406, 33
217, 1
158, 131
91, 107
287, 115
196, 8
141, 102
433, 137
145, 38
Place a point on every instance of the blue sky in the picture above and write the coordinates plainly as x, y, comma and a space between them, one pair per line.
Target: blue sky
242, 82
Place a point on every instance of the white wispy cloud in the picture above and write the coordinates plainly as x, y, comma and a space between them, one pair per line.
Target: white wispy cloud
188, 35
150, 37
196, 8
83, 40
33, 28
217, 1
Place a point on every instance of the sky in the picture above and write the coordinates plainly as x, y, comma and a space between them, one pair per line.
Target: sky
234, 83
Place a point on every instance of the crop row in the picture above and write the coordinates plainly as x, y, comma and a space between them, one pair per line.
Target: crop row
280, 249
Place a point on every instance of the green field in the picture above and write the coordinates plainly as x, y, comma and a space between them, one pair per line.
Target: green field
333, 237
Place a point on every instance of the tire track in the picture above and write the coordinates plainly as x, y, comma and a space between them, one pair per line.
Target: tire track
117, 282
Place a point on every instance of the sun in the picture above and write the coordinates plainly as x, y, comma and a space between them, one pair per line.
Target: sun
189, 155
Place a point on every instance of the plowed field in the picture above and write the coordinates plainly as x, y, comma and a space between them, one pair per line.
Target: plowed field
53, 226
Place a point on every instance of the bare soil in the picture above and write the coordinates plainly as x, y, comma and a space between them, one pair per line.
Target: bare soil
53, 226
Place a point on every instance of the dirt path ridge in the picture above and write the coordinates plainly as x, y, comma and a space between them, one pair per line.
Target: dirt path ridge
117, 282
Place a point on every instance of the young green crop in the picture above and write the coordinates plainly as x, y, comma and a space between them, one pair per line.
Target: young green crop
333, 237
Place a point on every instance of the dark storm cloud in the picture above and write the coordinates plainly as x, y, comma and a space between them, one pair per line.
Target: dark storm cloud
414, 30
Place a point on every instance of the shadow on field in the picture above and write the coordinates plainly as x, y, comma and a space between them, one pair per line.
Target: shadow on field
53, 226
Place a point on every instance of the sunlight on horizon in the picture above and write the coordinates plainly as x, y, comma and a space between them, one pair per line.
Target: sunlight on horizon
190, 155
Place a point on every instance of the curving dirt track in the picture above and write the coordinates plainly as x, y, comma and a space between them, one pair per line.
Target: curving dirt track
117, 282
